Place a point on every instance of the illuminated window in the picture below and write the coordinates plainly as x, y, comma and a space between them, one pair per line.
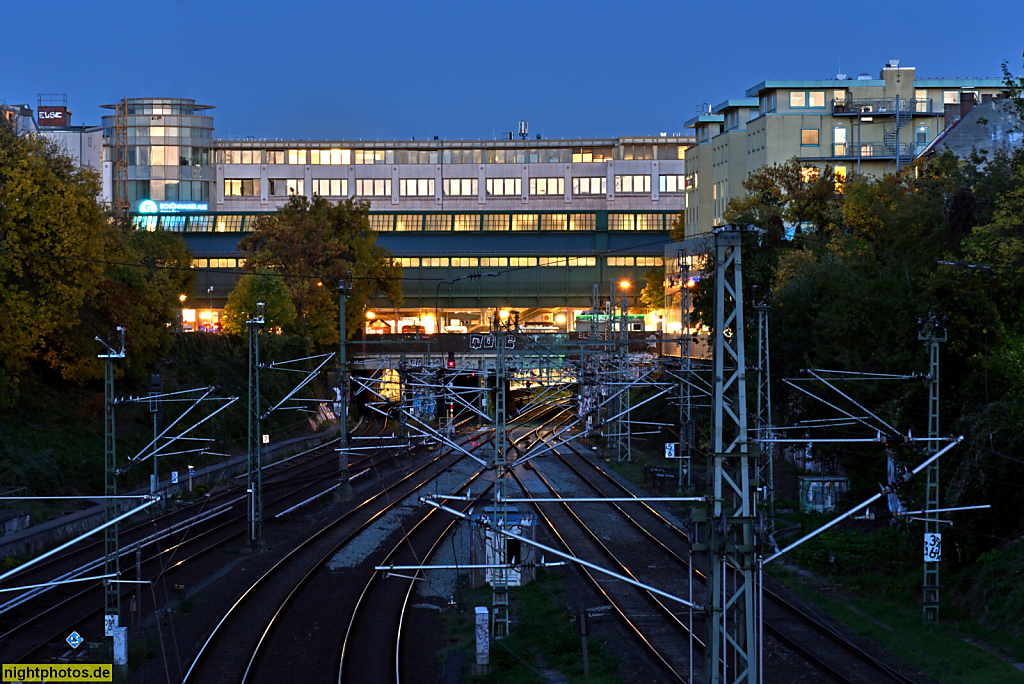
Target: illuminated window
330, 187
434, 262
620, 261
553, 222
809, 174
522, 261
840, 174
228, 224
370, 157
241, 187
921, 103
552, 261
650, 222
582, 222
504, 187
589, 186
592, 154
547, 186
839, 99
416, 187
628, 184
524, 222
382, 223
296, 156
407, 262
275, 156
493, 262
799, 99
951, 97
288, 186
839, 141
437, 222
464, 262
466, 222
808, 136
671, 183
460, 187
373, 187
498, 222
620, 222
582, 261
408, 223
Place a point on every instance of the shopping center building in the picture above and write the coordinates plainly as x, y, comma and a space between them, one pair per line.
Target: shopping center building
552, 218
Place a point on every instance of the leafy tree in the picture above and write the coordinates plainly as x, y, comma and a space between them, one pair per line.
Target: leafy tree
312, 244
264, 286
677, 231
653, 294
51, 249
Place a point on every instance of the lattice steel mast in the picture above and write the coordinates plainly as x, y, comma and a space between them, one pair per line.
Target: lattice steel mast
255, 471
111, 555
499, 583
932, 331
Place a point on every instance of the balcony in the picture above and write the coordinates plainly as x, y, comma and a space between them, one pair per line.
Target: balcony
874, 150
883, 107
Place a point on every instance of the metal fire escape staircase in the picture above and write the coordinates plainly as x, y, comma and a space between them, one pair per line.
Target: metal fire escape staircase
891, 136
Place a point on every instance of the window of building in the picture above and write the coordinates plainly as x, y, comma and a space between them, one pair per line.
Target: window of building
241, 187
296, 156
461, 187
496, 222
493, 262
582, 222
335, 157
437, 222
839, 98
229, 224
504, 187
466, 222
809, 174
620, 261
671, 183
522, 261
289, 186
627, 184
329, 187
410, 157
921, 103
416, 187
767, 102
951, 97
275, 156
591, 154
808, 136
462, 156
407, 262
434, 262
372, 157
382, 223
407, 223
464, 262
582, 261
921, 135
524, 222
839, 141
547, 186
373, 187
589, 186
650, 222
637, 151
554, 222
620, 222
799, 99
840, 174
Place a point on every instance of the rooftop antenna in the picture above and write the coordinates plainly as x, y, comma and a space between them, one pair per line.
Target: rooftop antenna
524, 128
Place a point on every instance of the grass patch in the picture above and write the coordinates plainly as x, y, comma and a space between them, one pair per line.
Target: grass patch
938, 651
544, 635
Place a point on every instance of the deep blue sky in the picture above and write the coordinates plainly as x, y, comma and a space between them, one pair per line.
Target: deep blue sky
470, 70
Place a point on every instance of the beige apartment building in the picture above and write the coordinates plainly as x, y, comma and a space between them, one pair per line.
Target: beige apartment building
861, 125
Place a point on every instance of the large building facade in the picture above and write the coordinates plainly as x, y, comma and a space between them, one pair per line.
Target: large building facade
862, 125
550, 217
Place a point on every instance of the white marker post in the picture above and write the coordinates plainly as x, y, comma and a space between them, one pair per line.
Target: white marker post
483, 640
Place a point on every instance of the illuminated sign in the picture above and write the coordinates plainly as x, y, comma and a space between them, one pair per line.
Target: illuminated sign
54, 116
151, 207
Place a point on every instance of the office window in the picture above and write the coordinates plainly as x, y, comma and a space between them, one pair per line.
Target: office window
620, 222
462, 157
370, 157
275, 156
461, 187
496, 222
582, 261
589, 185
921, 101
373, 187
407, 262
650, 222
282, 187
551, 261
808, 136
407, 223
522, 261
329, 187
437, 222
416, 187
228, 224
650, 261
434, 262
382, 223
627, 184
554, 222
547, 186
816, 98
839, 99
592, 154
671, 183
493, 262
809, 174
296, 156
582, 222
951, 97
464, 262
839, 141
620, 261
243, 187
200, 224
524, 222
799, 99
502, 187
466, 222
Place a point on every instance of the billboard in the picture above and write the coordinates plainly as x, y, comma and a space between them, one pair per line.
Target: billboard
54, 116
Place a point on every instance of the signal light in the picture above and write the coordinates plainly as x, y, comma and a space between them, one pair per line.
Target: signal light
451, 359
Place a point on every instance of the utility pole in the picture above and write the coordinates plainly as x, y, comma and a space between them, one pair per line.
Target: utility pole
499, 583
255, 470
111, 555
687, 427
932, 331
345, 490
622, 426
733, 638
766, 463
155, 407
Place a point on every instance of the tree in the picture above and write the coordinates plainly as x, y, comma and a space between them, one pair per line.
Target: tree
264, 286
312, 244
51, 249
653, 294
677, 231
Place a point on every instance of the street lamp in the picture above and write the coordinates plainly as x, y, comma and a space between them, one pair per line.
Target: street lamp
209, 291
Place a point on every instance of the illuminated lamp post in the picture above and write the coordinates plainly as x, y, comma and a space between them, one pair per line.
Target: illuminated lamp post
181, 312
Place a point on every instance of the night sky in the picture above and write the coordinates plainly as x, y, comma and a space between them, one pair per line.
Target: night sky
472, 70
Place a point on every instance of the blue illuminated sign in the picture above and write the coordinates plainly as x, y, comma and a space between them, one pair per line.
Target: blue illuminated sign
151, 207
